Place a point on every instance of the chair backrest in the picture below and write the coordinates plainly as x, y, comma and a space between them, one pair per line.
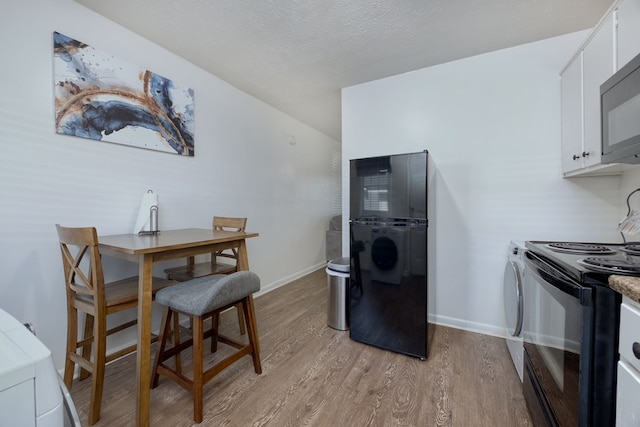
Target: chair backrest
230, 224
83, 274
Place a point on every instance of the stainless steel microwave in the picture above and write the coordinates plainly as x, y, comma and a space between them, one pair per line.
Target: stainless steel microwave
620, 115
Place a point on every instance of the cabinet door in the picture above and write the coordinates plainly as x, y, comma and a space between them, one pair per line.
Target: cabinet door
627, 408
598, 65
629, 334
571, 95
628, 31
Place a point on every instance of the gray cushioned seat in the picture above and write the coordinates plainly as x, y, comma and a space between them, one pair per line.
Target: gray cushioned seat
202, 295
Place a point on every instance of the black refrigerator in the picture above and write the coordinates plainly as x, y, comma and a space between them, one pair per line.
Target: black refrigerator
388, 233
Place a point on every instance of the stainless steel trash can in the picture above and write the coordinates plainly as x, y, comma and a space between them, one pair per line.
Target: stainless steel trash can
338, 282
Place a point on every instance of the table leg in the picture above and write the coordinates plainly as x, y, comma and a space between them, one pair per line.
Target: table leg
243, 265
143, 355
243, 258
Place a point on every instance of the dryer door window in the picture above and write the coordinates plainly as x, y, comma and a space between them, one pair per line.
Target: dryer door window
513, 298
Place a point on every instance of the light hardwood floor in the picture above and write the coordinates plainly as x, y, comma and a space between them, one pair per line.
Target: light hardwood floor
316, 376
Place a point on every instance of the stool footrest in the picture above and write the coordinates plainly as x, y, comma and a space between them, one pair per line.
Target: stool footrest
176, 377
218, 367
228, 341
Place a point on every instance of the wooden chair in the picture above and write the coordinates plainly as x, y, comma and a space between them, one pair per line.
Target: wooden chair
199, 299
88, 293
214, 266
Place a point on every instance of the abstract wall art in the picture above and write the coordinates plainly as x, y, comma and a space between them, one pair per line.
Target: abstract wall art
101, 97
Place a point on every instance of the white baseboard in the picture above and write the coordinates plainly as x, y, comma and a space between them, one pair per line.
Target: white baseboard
466, 325
452, 322
288, 279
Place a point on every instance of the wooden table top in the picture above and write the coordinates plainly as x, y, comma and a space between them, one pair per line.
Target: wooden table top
136, 244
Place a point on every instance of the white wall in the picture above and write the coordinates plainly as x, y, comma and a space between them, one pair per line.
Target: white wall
492, 126
244, 166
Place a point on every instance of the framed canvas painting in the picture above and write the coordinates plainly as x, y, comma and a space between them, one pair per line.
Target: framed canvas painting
100, 97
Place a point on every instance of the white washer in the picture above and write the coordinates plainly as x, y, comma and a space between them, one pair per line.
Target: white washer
388, 254
513, 303
30, 394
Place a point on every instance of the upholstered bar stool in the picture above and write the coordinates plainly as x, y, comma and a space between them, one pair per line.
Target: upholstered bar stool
199, 299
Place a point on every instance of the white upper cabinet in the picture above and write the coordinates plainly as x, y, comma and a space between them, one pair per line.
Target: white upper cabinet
581, 80
571, 111
628, 31
614, 41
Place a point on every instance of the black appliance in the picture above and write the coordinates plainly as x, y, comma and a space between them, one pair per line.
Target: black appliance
620, 109
388, 275
570, 331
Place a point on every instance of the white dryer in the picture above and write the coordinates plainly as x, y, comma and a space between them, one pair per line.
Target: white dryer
388, 254
513, 303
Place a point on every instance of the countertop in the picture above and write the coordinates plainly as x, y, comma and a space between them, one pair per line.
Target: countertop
626, 285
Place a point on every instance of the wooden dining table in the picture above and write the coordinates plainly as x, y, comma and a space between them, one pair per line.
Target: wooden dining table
163, 246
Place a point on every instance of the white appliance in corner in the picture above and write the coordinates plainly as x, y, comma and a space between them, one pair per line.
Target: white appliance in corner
29, 391
514, 304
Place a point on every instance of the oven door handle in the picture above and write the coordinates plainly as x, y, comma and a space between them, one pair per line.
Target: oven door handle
556, 278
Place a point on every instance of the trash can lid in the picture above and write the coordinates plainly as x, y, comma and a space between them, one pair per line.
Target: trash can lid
340, 264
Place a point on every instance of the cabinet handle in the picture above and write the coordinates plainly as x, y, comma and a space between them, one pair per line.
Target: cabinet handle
585, 154
576, 157
636, 349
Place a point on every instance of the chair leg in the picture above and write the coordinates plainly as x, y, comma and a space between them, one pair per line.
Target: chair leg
240, 319
176, 340
99, 359
86, 348
197, 385
162, 343
72, 342
215, 324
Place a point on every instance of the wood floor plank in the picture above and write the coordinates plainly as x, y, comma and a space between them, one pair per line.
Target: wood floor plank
317, 376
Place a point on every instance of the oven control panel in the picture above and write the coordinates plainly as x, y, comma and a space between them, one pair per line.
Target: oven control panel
627, 408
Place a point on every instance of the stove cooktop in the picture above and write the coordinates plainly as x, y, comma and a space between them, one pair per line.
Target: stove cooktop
590, 261
613, 266
579, 248
631, 248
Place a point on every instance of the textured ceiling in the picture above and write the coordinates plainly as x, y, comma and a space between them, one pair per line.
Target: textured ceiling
297, 54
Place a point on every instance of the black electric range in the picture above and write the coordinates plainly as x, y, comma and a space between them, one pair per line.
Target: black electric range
571, 322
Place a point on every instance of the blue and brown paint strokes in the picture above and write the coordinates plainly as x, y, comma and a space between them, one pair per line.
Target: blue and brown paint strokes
100, 97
